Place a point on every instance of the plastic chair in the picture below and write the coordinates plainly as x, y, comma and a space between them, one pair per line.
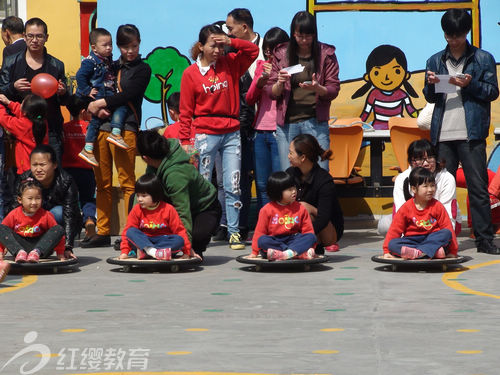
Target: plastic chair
404, 130
346, 136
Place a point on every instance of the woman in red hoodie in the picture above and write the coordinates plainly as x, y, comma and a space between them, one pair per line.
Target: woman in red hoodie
210, 103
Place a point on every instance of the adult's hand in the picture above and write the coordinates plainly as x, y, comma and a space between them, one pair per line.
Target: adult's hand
431, 77
103, 113
461, 82
95, 106
68, 254
314, 86
61, 88
22, 84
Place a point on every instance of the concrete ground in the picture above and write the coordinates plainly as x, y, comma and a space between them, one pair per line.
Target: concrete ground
347, 316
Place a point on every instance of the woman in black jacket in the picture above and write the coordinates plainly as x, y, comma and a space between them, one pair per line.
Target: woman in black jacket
316, 190
59, 192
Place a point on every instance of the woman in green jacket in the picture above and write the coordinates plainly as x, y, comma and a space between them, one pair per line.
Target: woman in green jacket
194, 198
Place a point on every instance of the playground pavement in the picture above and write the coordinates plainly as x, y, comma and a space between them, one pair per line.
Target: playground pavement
348, 316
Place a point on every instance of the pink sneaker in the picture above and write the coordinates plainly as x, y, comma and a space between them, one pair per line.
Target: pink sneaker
33, 257
309, 254
163, 254
21, 257
273, 254
440, 254
4, 270
410, 253
332, 248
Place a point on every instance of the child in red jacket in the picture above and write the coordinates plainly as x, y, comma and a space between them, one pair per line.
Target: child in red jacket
153, 226
421, 227
284, 229
27, 123
29, 232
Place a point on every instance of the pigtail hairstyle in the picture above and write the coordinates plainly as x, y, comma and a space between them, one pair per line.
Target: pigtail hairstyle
34, 108
29, 183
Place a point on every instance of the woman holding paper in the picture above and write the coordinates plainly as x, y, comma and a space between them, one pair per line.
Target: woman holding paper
304, 80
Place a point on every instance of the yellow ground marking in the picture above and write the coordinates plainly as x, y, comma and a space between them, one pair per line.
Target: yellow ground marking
50, 355
462, 288
27, 280
196, 329
73, 330
468, 330
187, 373
469, 351
332, 329
179, 353
325, 351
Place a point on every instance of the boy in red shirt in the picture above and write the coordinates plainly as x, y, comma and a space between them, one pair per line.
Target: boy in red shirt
421, 227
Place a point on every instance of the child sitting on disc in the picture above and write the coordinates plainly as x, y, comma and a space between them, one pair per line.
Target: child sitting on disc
284, 229
421, 228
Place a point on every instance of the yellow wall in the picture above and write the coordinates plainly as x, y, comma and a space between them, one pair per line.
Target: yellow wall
63, 21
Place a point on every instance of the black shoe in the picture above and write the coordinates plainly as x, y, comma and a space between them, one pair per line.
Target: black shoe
488, 247
117, 245
220, 234
97, 241
320, 249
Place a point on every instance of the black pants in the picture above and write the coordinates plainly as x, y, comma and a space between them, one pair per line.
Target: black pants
45, 243
204, 225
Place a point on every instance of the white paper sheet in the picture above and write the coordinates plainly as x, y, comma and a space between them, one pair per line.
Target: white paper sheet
443, 86
294, 69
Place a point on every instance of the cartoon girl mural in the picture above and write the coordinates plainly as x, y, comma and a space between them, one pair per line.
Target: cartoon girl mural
386, 70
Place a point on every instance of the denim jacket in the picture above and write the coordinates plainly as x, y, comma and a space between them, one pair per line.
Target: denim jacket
95, 72
476, 97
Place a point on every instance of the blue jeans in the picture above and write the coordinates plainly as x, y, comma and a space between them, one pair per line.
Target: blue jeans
57, 211
230, 148
85, 182
286, 133
428, 244
267, 161
117, 120
140, 240
220, 188
472, 154
298, 242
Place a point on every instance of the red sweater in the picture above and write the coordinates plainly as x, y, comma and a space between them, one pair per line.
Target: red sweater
215, 93
21, 128
409, 221
32, 226
172, 131
163, 220
278, 220
74, 140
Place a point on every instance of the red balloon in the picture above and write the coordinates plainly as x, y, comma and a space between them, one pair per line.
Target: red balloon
44, 85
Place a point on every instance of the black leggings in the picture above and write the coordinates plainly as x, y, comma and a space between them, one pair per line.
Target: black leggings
45, 243
204, 226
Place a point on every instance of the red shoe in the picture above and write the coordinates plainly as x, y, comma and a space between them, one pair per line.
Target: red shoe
33, 257
410, 253
309, 254
163, 254
332, 248
273, 254
4, 270
440, 254
21, 257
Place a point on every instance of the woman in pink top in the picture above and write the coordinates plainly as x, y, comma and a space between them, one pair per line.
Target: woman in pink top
267, 158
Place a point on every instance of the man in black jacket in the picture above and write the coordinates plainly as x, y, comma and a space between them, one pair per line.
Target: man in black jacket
18, 70
12, 35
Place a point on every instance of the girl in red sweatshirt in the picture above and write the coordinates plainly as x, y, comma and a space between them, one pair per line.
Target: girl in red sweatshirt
284, 229
421, 227
27, 123
210, 102
29, 232
154, 226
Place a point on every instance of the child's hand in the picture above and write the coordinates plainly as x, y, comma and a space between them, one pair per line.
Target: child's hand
123, 256
22, 85
61, 257
252, 255
61, 88
389, 256
93, 92
4, 99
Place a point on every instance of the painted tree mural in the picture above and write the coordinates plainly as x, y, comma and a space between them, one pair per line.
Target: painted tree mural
167, 66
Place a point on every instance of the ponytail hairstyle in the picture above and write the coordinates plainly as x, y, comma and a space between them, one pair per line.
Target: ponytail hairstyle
205, 32
383, 55
306, 144
153, 145
29, 183
34, 108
